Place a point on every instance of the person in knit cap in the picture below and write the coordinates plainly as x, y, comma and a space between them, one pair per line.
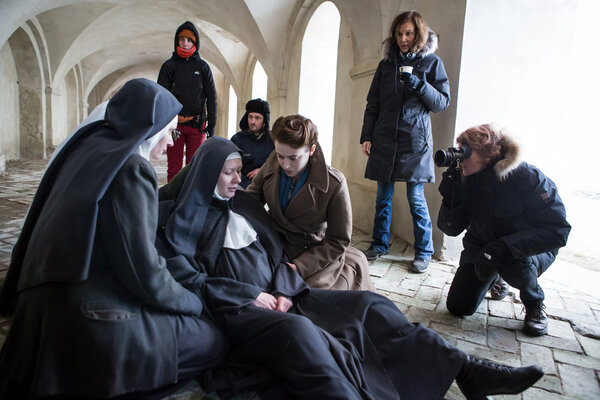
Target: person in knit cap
254, 139
190, 80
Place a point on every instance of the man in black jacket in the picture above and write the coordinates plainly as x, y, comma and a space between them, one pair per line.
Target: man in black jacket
190, 80
254, 139
515, 223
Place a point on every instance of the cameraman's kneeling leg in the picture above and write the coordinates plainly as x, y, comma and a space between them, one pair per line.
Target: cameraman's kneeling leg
523, 273
467, 291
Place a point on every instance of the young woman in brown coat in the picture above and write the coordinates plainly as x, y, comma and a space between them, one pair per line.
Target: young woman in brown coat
310, 204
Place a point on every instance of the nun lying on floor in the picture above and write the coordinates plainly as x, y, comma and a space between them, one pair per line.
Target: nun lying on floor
314, 343
95, 311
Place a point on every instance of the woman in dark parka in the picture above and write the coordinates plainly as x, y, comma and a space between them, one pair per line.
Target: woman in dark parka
318, 344
96, 312
396, 132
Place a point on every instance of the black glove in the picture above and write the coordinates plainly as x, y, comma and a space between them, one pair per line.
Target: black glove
490, 258
410, 80
451, 186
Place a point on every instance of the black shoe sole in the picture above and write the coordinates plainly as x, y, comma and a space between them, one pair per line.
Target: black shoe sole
534, 333
371, 258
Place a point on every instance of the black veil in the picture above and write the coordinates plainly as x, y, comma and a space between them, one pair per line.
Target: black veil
185, 216
56, 241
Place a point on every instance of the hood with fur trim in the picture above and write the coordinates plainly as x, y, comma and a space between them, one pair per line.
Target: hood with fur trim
511, 157
390, 47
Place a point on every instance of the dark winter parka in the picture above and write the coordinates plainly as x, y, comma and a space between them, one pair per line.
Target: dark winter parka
396, 119
190, 80
511, 201
255, 151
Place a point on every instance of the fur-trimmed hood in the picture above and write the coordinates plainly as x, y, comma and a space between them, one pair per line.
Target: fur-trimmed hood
390, 47
511, 157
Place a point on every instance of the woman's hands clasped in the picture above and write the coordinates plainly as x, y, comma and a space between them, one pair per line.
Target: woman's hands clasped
270, 302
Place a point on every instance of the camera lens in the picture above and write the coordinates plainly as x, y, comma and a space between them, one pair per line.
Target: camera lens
445, 158
440, 158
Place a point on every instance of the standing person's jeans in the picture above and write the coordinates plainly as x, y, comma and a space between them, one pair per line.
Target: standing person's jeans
418, 208
191, 138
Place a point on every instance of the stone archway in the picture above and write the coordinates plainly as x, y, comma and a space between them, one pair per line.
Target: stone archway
31, 92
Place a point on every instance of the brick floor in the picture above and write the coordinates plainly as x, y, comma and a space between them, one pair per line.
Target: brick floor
569, 354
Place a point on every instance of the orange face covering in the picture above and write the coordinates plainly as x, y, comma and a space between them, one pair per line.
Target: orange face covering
183, 53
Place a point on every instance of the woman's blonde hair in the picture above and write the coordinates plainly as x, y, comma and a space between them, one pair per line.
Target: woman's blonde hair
421, 29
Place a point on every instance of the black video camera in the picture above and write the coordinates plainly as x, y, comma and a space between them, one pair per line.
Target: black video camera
452, 156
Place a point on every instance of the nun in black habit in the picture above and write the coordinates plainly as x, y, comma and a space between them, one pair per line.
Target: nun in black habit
95, 311
317, 344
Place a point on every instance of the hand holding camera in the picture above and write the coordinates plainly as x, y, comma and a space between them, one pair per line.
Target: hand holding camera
451, 186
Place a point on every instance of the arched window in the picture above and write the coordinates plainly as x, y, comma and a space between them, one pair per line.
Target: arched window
259, 82
318, 71
232, 122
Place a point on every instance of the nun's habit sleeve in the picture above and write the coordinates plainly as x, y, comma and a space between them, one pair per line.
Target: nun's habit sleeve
129, 224
229, 295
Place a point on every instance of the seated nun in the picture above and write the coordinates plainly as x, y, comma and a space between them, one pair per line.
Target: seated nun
315, 343
310, 204
95, 311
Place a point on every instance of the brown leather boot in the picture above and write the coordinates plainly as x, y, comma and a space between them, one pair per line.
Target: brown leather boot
536, 320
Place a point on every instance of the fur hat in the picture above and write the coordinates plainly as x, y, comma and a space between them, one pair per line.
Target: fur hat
257, 106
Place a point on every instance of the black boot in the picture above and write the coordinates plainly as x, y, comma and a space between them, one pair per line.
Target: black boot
536, 321
480, 378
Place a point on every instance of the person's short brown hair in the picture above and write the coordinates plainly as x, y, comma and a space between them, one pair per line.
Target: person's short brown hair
486, 139
295, 131
421, 29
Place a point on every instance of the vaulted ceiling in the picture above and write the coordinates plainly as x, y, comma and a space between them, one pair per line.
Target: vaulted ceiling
112, 39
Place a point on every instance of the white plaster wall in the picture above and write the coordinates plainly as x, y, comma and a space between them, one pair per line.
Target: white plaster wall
535, 73
60, 114
72, 100
533, 78
9, 105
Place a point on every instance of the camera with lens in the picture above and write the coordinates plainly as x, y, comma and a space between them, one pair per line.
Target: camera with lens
197, 121
452, 156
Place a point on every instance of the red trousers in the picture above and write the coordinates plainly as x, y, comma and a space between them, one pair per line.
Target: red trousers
191, 138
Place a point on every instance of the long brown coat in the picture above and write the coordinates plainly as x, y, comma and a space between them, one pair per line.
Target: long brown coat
317, 225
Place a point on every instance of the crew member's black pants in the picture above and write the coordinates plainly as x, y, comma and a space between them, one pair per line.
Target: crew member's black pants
467, 292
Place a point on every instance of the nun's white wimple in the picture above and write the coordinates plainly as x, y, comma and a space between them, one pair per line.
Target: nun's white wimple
148, 144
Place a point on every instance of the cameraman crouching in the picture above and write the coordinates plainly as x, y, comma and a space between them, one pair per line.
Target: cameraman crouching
515, 222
